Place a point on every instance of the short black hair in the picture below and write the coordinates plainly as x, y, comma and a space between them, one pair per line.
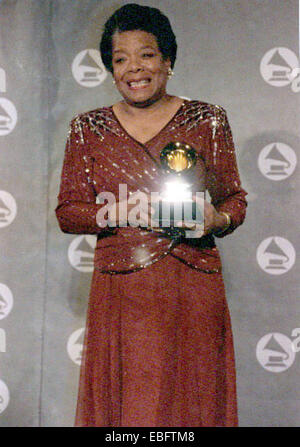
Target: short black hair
132, 17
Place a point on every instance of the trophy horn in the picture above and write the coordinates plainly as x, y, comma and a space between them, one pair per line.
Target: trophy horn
178, 157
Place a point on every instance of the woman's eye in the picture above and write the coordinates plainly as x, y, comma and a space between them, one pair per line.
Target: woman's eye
119, 60
148, 55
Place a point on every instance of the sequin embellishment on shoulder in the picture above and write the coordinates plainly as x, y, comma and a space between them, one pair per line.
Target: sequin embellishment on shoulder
99, 121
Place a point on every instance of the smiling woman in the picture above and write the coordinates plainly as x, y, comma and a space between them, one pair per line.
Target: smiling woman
158, 348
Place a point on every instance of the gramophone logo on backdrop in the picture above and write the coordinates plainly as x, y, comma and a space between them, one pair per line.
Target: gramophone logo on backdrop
81, 253
8, 208
8, 116
75, 344
88, 69
4, 396
277, 161
276, 255
275, 352
6, 301
280, 67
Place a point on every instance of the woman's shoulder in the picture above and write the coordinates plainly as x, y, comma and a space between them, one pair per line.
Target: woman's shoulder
198, 111
204, 107
96, 121
101, 112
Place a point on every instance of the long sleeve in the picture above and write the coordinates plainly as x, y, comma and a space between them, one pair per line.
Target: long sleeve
224, 183
77, 209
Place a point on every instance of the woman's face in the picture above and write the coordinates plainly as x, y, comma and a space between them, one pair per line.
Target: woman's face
139, 70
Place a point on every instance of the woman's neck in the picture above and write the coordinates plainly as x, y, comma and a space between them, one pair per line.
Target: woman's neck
135, 110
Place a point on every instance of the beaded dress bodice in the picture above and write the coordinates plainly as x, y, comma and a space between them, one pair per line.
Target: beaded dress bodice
100, 156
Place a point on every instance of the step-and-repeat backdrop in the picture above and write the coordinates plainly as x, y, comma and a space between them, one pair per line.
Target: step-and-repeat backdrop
241, 55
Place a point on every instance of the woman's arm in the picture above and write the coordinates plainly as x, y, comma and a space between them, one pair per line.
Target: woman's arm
77, 209
223, 181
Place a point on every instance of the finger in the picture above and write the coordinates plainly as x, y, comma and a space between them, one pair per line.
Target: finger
186, 224
197, 232
190, 234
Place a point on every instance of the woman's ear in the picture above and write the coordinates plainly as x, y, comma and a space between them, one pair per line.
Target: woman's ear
167, 63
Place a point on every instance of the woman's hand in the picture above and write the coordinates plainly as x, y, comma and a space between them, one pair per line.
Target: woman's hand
133, 211
214, 222
138, 211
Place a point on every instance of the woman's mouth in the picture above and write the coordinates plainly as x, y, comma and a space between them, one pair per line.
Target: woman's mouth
135, 85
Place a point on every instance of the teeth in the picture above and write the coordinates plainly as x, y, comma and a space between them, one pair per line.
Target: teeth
139, 83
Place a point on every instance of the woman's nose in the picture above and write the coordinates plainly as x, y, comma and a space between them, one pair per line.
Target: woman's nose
134, 64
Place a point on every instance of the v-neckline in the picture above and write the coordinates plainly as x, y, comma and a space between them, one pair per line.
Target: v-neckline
154, 136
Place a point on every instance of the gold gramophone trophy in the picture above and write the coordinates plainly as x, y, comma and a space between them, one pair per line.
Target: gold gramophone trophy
178, 162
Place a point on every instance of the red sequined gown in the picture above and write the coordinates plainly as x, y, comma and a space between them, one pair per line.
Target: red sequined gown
158, 347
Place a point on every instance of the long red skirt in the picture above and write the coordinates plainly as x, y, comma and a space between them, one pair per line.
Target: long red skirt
158, 350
